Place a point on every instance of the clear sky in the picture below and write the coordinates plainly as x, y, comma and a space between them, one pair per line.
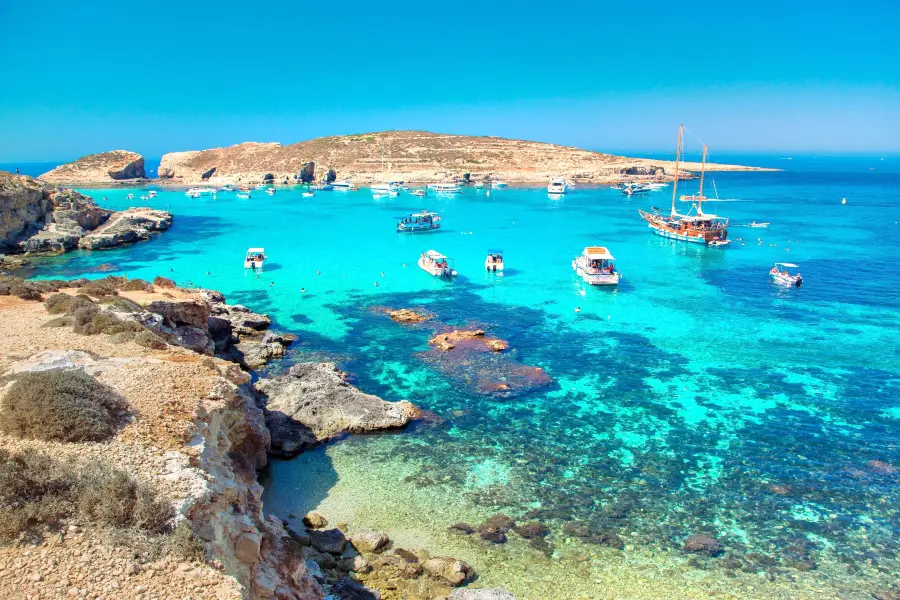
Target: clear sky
791, 76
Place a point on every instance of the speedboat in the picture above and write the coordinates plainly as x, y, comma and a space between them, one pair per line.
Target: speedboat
270, 191
557, 185
130, 197
420, 193
255, 258
342, 184
423, 221
656, 185
202, 191
322, 187
479, 185
436, 264
719, 243
385, 189
243, 195
630, 189
494, 261
498, 184
786, 274
756, 225
152, 193
596, 266
308, 194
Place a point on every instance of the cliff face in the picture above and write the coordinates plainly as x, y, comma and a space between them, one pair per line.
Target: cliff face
35, 217
197, 437
106, 167
415, 156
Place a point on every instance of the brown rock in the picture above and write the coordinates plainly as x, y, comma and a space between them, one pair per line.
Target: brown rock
449, 570
369, 541
532, 530
315, 520
698, 543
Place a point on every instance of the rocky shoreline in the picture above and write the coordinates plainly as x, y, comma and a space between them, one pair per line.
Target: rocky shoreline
197, 432
38, 218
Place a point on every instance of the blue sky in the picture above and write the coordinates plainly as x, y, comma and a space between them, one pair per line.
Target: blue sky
162, 76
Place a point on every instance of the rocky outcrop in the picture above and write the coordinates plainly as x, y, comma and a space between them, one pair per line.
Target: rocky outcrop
405, 315
106, 167
470, 339
413, 156
312, 403
35, 217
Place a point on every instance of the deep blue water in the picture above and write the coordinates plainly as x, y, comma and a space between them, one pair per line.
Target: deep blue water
698, 397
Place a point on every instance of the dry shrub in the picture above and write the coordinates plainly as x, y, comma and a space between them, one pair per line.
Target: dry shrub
38, 493
123, 337
58, 304
164, 282
184, 544
137, 285
25, 292
148, 339
65, 405
122, 304
34, 494
108, 286
58, 322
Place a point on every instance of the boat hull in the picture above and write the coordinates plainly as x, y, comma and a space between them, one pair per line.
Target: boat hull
435, 271
493, 267
786, 280
596, 279
416, 228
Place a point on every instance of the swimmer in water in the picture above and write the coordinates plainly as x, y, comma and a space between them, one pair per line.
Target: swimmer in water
382, 273
577, 309
376, 284
318, 272
302, 290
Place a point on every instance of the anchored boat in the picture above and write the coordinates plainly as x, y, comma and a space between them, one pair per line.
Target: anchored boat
786, 274
255, 258
694, 226
419, 222
558, 185
436, 264
596, 266
494, 261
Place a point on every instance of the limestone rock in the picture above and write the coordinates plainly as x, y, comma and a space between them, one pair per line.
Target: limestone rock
369, 540
315, 520
331, 541
127, 227
471, 339
312, 403
449, 570
106, 167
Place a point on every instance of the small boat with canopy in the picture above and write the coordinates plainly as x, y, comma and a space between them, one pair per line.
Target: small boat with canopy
786, 274
436, 264
494, 260
418, 222
596, 266
255, 258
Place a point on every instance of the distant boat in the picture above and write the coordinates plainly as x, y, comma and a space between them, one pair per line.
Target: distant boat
444, 188
419, 222
153, 193
270, 191
308, 194
243, 195
494, 261
498, 184
596, 266
322, 187
786, 274
420, 193
199, 191
557, 185
631, 189
255, 258
436, 264
344, 184
756, 225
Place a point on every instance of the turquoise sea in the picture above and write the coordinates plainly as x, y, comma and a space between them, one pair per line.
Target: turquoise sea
696, 398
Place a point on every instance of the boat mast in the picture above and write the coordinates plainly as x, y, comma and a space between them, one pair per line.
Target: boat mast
702, 172
677, 156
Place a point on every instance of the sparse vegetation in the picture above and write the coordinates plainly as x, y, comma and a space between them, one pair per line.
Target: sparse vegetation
138, 285
39, 493
108, 286
148, 339
65, 405
164, 282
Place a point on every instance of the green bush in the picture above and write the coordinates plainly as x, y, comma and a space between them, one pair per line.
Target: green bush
148, 339
65, 405
122, 304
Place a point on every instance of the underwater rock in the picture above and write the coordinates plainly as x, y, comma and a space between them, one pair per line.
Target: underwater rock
468, 339
357, 564
395, 567
348, 589
405, 315
500, 522
450, 570
463, 528
369, 540
315, 520
406, 555
312, 403
480, 594
879, 467
893, 594
532, 530
698, 543
331, 541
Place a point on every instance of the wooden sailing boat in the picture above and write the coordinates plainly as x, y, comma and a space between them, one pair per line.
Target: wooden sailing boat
694, 226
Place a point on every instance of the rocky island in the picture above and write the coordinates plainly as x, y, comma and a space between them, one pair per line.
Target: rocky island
36, 217
115, 166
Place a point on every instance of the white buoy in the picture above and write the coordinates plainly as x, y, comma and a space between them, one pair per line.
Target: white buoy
843, 201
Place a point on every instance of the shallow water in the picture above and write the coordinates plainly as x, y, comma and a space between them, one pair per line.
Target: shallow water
697, 398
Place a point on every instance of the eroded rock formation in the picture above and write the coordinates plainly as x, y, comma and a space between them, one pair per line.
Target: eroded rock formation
106, 167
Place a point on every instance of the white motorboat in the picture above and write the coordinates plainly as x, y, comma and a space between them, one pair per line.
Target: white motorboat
494, 261
243, 195
308, 194
255, 258
444, 188
596, 266
385, 189
786, 274
343, 185
199, 191
558, 185
270, 191
130, 197
152, 193
756, 225
498, 184
436, 264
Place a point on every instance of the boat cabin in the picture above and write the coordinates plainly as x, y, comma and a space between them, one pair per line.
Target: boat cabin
494, 260
254, 258
596, 266
786, 273
436, 264
423, 221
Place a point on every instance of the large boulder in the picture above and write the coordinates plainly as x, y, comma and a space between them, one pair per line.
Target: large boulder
312, 403
449, 570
